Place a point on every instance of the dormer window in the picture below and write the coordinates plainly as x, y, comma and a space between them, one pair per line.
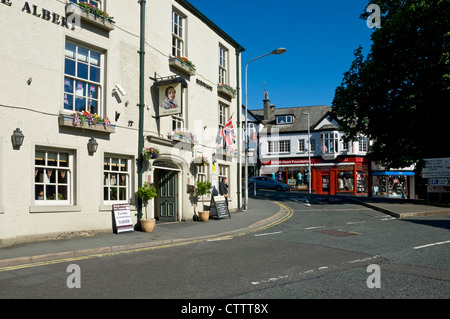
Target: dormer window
284, 119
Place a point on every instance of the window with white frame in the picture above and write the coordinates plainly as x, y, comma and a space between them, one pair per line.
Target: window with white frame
82, 79
116, 179
53, 182
363, 143
223, 115
202, 173
329, 142
95, 3
223, 65
345, 145
301, 145
178, 119
284, 119
279, 146
177, 34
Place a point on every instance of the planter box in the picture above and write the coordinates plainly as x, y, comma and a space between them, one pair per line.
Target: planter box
226, 91
177, 64
67, 120
89, 17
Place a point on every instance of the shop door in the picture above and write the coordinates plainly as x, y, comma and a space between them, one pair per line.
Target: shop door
326, 184
168, 195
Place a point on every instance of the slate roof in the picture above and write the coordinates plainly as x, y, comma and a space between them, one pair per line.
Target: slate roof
300, 121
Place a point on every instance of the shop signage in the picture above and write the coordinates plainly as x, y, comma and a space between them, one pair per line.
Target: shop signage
219, 207
122, 218
47, 15
205, 85
436, 167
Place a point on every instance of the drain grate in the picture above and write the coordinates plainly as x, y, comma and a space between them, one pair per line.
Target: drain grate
337, 232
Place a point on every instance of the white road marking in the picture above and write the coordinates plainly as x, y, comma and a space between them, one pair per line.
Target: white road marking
433, 244
266, 234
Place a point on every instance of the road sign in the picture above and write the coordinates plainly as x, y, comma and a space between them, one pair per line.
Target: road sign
436, 167
439, 181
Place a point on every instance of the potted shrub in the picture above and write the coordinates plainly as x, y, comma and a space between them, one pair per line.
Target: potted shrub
146, 193
202, 188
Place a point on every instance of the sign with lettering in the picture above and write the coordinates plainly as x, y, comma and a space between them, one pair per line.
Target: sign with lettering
122, 217
219, 207
436, 167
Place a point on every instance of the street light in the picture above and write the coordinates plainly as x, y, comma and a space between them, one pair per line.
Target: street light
275, 52
309, 154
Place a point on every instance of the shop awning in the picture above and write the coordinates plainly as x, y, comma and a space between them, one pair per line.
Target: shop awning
396, 173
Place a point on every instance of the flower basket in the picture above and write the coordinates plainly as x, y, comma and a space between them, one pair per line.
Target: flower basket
201, 161
227, 90
149, 153
182, 64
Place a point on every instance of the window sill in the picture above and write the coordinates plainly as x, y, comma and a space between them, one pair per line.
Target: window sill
67, 120
180, 66
54, 208
225, 91
89, 17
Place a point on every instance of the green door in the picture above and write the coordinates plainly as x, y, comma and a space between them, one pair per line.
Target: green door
168, 195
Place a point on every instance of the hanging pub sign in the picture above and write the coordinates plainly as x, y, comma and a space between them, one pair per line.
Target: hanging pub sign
170, 99
122, 218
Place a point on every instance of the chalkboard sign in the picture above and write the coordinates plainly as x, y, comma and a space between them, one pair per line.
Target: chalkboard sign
122, 218
219, 207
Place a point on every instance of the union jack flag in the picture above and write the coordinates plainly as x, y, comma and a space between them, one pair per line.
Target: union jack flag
227, 135
106, 122
76, 119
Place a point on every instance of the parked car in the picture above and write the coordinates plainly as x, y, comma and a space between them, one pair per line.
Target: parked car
267, 183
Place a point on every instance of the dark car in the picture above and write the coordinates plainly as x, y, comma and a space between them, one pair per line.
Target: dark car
267, 183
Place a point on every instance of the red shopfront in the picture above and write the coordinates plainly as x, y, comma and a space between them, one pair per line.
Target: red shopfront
344, 175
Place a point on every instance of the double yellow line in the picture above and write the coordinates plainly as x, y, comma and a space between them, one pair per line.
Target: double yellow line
289, 213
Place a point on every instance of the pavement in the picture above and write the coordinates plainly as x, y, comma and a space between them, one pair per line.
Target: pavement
260, 214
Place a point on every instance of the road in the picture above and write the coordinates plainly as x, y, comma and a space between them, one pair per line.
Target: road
326, 247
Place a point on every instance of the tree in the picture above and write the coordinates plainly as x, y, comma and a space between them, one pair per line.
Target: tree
399, 94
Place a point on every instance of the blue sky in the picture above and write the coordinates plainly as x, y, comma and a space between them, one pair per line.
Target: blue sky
320, 37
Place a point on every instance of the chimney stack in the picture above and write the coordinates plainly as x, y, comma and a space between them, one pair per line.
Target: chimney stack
268, 109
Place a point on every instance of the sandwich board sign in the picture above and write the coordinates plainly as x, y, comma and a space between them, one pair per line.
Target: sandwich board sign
219, 207
122, 218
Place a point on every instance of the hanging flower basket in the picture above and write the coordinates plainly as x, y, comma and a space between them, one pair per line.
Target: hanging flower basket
149, 153
201, 161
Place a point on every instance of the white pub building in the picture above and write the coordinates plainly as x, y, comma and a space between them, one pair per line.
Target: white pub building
82, 84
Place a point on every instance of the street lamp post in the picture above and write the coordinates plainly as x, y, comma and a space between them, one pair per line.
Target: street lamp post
277, 51
309, 154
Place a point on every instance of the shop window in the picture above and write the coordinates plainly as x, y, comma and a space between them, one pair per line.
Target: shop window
397, 186
116, 181
362, 182
82, 79
379, 185
345, 181
53, 177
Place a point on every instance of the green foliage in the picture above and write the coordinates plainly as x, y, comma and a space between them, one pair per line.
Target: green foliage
398, 95
203, 188
146, 192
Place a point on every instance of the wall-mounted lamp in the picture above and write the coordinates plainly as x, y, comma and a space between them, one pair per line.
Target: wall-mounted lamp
119, 89
17, 138
92, 146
